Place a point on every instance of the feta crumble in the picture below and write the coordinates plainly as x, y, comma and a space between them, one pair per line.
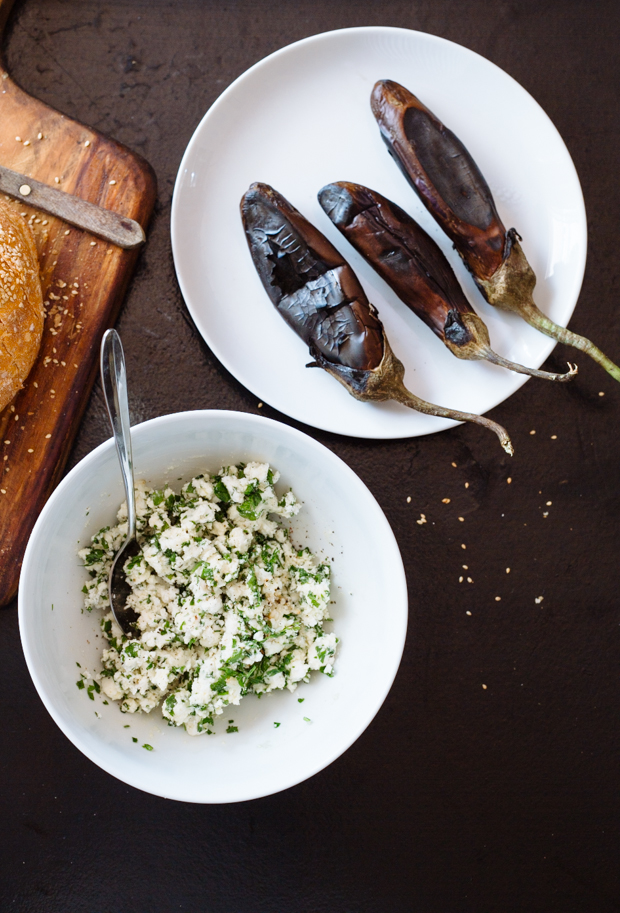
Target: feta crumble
227, 605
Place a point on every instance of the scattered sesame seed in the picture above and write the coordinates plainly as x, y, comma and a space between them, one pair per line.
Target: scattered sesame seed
409, 500
87, 143
26, 142
3, 490
532, 432
39, 136
422, 520
466, 484
25, 189
485, 687
545, 513
539, 599
30, 450
463, 545
469, 580
460, 579
509, 480
462, 519
445, 500
74, 365
468, 612
601, 393
48, 435
554, 437
549, 503
498, 599
465, 567
67, 231
507, 570
260, 405
454, 464
57, 180
93, 243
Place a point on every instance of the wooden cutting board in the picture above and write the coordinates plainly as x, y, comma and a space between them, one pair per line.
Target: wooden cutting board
83, 281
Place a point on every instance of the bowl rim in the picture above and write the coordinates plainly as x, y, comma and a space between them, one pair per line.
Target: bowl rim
74, 733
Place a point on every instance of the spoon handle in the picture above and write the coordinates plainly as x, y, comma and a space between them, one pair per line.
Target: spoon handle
114, 380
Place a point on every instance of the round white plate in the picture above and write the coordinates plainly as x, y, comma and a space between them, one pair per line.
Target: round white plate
340, 519
300, 119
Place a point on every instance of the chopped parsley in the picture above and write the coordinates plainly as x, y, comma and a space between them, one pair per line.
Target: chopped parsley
230, 605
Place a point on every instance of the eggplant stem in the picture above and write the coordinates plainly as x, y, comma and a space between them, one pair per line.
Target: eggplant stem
386, 382
535, 317
511, 288
495, 359
400, 393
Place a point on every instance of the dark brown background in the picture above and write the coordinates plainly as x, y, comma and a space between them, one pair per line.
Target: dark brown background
456, 798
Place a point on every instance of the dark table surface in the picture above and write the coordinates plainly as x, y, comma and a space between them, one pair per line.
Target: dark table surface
457, 797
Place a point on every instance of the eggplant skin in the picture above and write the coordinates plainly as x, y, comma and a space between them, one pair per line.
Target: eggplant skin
444, 175
320, 297
312, 286
403, 254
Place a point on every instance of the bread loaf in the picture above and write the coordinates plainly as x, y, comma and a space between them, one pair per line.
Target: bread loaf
21, 303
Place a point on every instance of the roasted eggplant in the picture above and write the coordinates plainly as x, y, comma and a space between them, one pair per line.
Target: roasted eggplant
318, 294
451, 186
416, 269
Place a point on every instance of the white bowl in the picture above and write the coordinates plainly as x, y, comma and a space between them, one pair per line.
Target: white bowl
339, 519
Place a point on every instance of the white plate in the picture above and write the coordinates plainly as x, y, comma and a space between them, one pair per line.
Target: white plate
339, 519
300, 119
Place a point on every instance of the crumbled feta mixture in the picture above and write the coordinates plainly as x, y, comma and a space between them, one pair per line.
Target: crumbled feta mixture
227, 604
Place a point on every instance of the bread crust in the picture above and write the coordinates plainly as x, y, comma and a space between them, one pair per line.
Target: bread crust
21, 303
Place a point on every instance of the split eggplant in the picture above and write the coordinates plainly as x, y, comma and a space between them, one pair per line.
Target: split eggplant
413, 265
451, 186
320, 297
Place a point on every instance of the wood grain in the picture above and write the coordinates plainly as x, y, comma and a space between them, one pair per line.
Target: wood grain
83, 282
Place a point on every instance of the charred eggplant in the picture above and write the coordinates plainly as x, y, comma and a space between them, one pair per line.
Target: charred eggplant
416, 269
318, 294
451, 186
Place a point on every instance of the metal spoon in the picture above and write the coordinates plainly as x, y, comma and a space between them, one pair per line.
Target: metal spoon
114, 380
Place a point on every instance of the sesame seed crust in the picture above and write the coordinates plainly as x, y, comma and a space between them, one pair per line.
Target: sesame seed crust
21, 303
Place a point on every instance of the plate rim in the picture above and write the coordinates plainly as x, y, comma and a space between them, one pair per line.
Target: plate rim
547, 345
